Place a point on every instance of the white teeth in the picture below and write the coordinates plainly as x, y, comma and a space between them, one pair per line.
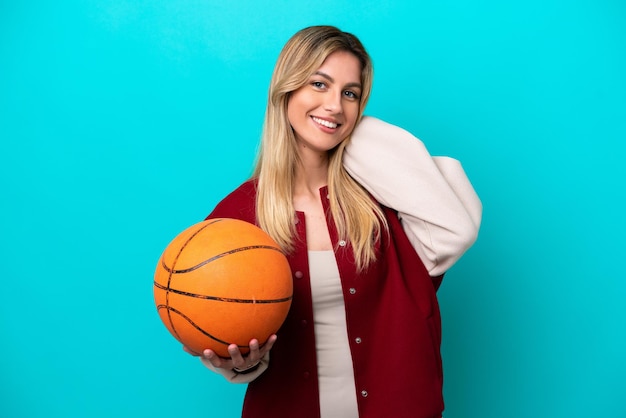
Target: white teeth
325, 123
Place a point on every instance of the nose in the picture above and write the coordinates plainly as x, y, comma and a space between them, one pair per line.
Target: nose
333, 103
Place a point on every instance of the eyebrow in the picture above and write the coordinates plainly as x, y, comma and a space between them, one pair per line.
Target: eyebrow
329, 78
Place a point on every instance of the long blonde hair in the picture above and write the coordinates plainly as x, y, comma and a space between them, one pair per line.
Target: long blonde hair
357, 217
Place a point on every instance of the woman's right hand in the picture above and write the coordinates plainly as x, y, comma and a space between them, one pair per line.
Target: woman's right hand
237, 360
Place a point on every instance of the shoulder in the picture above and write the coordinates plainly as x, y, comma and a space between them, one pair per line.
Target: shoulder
239, 204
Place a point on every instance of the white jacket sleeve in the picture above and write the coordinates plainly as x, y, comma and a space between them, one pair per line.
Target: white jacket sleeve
234, 377
436, 203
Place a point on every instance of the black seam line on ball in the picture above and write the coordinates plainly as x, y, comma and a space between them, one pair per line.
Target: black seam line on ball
221, 299
235, 250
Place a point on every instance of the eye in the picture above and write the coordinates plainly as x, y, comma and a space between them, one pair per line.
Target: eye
351, 95
318, 84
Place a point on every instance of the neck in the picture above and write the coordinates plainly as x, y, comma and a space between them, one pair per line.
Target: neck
311, 174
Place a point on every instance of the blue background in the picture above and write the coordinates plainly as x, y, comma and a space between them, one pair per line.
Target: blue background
123, 122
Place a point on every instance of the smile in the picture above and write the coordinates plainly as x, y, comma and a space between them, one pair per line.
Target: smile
325, 123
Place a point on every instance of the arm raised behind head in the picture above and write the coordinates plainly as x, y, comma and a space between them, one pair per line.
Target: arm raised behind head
438, 207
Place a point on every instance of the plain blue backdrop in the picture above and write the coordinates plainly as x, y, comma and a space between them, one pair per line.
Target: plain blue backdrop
124, 122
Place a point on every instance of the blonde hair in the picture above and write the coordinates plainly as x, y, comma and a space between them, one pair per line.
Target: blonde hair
357, 217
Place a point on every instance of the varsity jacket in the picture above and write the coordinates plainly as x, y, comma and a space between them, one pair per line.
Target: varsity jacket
392, 314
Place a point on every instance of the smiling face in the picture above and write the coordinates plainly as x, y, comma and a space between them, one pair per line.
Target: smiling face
324, 111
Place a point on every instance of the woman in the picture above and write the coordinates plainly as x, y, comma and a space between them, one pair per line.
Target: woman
363, 334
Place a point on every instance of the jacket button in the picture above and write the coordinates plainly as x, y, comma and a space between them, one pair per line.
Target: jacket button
358, 340
306, 375
364, 393
298, 275
303, 323
342, 243
352, 290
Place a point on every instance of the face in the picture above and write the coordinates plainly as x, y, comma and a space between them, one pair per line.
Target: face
324, 111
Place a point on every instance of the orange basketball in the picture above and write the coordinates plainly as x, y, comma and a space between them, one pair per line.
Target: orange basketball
222, 281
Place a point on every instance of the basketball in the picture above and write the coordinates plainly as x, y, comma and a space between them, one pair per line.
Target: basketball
220, 282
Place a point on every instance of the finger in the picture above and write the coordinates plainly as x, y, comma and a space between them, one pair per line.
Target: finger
268, 344
235, 355
255, 354
215, 360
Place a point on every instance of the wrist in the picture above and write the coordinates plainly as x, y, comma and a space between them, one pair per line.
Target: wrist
247, 370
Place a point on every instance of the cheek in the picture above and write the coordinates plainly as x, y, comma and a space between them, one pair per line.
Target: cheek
291, 112
296, 107
351, 114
